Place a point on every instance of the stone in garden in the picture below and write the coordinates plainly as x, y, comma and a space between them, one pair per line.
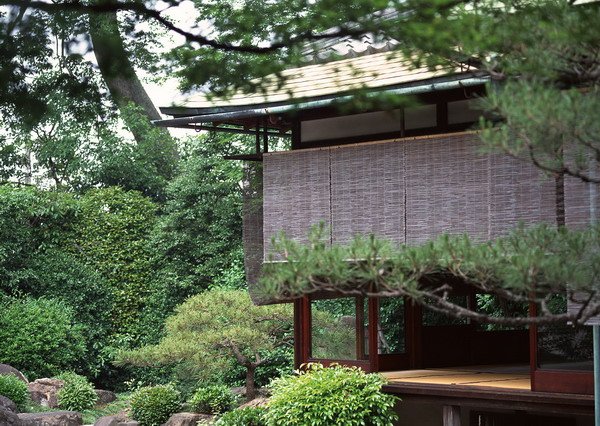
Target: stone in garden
7, 404
108, 421
186, 419
105, 397
241, 391
6, 369
51, 418
9, 418
115, 420
44, 391
261, 401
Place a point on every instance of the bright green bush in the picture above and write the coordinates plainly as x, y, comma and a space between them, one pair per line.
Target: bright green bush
40, 337
14, 389
214, 399
249, 416
77, 394
344, 396
112, 237
153, 405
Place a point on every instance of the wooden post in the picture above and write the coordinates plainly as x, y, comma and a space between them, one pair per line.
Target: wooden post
451, 415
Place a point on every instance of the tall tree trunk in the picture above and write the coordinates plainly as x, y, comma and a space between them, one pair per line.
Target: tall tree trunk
126, 89
116, 68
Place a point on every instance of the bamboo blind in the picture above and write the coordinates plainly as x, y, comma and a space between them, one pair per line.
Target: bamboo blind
296, 194
410, 191
252, 231
446, 189
377, 208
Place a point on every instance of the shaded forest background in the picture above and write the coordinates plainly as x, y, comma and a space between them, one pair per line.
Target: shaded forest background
86, 273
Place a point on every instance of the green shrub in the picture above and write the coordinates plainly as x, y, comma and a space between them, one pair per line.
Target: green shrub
344, 396
77, 394
112, 236
214, 399
249, 416
14, 389
153, 405
40, 337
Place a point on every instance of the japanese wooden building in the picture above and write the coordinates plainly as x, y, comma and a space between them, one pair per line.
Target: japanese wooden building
406, 174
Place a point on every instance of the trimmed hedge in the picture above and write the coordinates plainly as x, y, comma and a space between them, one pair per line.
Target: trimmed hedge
249, 416
215, 399
77, 394
153, 405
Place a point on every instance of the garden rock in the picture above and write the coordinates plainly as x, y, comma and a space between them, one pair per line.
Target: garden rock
241, 391
6, 369
44, 391
105, 397
51, 418
261, 401
9, 418
115, 420
7, 404
186, 419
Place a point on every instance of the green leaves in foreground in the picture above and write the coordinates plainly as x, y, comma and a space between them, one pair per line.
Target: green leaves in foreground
344, 396
527, 266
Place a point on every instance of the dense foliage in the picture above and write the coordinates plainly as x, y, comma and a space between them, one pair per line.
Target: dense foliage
215, 399
14, 389
119, 261
77, 394
40, 337
344, 396
112, 237
153, 405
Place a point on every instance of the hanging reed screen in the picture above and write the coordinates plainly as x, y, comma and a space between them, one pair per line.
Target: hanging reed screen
411, 190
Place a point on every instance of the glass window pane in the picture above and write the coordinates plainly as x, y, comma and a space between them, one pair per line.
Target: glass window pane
391, 338
563, 347
339, 329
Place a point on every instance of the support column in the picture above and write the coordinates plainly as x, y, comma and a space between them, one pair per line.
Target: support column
451, 415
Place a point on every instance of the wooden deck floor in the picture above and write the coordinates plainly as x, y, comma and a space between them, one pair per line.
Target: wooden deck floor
479, 376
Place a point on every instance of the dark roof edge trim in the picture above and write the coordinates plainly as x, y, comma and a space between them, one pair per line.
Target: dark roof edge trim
259, 112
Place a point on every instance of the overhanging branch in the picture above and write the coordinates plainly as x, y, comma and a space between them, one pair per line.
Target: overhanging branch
141, 9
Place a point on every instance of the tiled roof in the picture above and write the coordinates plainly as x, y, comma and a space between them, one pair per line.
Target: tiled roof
371, 71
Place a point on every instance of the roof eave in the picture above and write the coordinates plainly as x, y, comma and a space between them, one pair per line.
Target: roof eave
219, 114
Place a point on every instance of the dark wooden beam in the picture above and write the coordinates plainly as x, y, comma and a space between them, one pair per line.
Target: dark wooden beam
229, 130
244, 157
481, 397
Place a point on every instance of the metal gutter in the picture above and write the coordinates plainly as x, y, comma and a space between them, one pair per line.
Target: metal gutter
258, 112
